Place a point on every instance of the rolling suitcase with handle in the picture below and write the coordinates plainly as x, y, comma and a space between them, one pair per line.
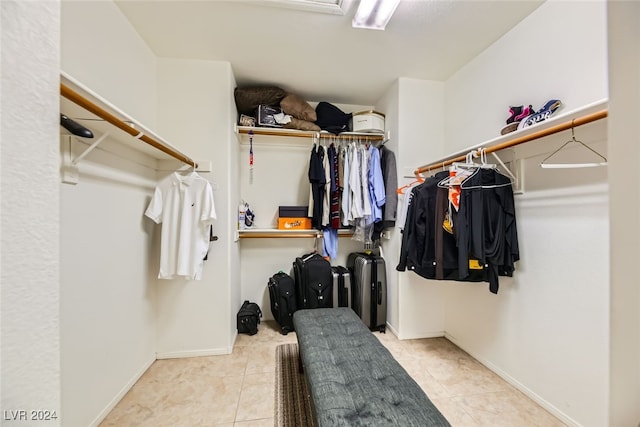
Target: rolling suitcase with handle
313, 281
283, 300
369, 278
341, 286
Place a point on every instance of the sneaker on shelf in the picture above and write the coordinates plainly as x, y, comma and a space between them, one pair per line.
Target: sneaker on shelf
526, 112
509, 128
517, 114
543, 114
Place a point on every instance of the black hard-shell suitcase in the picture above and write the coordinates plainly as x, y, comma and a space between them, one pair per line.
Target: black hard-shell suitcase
341, 286
283, 300
313, 281
369, 285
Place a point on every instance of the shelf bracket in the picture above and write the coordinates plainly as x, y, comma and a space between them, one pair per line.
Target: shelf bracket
69, 170
90, 148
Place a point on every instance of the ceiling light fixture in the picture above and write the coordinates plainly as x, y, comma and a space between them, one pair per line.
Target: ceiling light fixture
333, 7
374, 14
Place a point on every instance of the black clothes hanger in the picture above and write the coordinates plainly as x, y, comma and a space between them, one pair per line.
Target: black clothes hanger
75, 127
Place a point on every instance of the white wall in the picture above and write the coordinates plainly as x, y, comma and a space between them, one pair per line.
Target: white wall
516, 70
193, 101
547, 329
420, 136
107, 259
389, 103
30, 358
101, 49
624, 69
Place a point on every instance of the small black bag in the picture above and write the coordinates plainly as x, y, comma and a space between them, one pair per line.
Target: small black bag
249, 318
331, 118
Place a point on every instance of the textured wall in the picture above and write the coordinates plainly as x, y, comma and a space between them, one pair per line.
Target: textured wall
109, 256
30, 212
624, 86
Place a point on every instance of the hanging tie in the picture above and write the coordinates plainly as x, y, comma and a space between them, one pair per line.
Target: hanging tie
251, 157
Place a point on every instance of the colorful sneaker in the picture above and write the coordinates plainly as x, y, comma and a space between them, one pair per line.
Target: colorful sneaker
515, 112
543, 114
519, 113
526, 112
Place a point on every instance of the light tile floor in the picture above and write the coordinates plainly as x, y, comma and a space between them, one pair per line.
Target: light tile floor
238, 389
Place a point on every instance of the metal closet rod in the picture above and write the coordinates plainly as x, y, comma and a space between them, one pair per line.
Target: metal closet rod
578, 121
76, 98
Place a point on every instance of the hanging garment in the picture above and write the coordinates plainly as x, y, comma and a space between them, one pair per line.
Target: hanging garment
326, 201
334, 207
330, 243
428, 249
376, 184
486, 225
345, 201
317, 180
406, 201
355, 178
390, 179
418, 236
184, 205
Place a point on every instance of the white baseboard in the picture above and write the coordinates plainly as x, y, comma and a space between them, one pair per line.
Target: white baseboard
118, 397
195, 353
392, 329
517, 384
434, 334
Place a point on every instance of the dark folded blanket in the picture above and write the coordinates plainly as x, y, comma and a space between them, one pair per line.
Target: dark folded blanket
352, 377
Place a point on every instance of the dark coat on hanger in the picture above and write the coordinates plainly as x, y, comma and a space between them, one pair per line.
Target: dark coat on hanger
317, 179
427, 248
485, 226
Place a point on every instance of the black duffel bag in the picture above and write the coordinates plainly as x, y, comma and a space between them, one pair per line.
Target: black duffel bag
249, 318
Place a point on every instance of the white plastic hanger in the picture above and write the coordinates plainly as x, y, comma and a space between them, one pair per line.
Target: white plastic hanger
543, 163
485, 165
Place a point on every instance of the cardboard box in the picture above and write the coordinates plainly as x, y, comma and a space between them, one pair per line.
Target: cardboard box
293, 211
301, 223
368, 121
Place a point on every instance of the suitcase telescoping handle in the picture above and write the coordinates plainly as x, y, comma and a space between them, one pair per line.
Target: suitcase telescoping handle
374, 292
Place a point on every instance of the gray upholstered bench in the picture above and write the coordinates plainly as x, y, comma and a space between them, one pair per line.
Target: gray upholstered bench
352, 377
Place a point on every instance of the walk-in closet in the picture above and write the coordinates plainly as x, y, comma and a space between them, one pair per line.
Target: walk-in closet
84, 314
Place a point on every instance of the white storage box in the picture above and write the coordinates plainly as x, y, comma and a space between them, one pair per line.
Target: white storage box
367, 121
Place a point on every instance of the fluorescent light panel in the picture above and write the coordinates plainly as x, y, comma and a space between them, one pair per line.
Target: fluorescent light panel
374, 14
333, 7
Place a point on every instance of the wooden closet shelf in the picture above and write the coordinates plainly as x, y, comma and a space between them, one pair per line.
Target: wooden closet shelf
295, 133
268, 233
97, 114
559, 123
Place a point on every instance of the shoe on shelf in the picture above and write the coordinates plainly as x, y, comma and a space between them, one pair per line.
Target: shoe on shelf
517, 114
509, 128
542, 114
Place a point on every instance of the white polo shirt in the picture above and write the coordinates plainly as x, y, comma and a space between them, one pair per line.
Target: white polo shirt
184, 205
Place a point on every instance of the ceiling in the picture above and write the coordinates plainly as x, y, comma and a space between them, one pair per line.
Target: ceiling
318, 55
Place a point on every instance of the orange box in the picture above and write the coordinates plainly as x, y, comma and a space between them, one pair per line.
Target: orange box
294, 223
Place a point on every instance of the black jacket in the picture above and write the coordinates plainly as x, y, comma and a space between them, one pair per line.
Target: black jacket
486, 225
